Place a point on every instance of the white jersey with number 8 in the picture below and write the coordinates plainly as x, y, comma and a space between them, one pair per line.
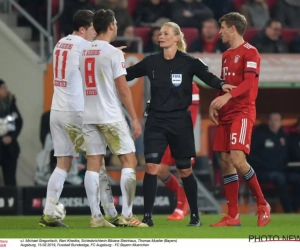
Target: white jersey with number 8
100, 65
68, 95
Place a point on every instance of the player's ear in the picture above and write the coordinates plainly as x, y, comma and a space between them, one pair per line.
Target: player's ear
233, 28
111, 26
81, 30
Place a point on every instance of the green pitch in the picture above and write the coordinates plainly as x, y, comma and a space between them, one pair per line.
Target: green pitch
27, 227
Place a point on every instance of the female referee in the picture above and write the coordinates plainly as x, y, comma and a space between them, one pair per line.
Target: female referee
169, 120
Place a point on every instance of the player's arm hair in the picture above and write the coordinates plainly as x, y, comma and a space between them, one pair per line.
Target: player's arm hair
200, 69
125, 95
248, 83
136, 71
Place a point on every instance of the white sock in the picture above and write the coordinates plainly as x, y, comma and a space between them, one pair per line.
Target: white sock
128, 186
91, 184
107, 200
54, 189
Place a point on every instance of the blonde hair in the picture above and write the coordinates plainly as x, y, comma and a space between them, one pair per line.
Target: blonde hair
181, 44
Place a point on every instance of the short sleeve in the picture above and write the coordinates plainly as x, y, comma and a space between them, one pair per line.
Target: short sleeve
252, 62
118, 64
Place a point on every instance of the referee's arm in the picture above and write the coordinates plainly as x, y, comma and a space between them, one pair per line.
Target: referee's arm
201, 71
136, 71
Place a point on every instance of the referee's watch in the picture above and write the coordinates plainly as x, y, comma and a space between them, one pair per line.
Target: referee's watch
222, 83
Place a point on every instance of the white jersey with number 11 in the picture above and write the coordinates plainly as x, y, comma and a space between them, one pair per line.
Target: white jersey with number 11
68, 94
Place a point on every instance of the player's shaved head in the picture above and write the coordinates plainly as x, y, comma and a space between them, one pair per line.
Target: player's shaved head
102, 19
82, 18
235, 19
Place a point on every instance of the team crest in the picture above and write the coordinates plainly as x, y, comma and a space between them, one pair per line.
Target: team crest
176, 79
236, 59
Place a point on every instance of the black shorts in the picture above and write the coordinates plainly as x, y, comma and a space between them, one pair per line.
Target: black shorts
174, 129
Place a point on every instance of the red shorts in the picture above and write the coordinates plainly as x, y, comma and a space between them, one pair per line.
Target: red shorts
234, 136
167, 158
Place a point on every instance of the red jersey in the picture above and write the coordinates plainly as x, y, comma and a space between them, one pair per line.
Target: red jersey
236, 63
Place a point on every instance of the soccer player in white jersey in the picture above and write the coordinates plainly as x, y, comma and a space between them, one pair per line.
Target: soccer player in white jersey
103, 72
67, 113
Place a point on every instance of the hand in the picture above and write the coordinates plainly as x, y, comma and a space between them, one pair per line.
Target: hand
227, 87
137, 129
7, 140
220, 101
121, 48
213, 115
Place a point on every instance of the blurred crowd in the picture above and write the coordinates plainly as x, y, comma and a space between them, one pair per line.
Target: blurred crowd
268, 17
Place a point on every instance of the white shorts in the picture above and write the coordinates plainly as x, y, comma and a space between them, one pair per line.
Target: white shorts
66, 131
115, 135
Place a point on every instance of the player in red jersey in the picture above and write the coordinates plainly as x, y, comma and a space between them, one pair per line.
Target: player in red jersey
169, 179
235, 114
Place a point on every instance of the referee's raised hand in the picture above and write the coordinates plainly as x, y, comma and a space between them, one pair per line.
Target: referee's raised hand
137, 129
121, 48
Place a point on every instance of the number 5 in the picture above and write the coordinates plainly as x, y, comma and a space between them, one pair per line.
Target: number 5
233, 138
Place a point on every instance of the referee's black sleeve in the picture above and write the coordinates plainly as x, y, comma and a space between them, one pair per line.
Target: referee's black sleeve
201, 71
136, 71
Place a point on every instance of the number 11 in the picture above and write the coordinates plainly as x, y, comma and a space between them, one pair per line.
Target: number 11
64, 63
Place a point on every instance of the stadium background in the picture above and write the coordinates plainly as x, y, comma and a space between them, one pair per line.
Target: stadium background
26, 68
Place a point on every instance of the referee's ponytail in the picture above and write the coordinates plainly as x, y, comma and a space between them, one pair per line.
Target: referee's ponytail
181, 44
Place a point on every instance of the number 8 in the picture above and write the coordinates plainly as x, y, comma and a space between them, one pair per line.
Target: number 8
89, 72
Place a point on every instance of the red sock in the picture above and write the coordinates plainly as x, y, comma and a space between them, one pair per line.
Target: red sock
172, 183
231, 187
181, 198
254, 187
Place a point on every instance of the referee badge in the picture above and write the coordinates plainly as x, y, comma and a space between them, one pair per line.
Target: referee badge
176, 79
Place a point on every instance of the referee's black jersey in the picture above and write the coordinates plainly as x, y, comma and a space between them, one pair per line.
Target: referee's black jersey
171, 80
